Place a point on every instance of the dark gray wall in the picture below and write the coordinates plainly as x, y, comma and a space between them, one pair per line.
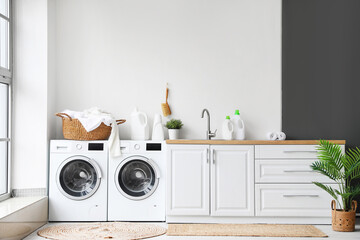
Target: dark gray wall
321, 69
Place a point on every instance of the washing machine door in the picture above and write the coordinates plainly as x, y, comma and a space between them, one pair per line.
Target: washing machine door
137, 177
78, 177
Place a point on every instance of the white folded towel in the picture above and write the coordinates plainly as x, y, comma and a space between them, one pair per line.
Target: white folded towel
92, 118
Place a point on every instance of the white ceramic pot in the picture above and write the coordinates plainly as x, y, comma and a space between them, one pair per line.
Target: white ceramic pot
174, 134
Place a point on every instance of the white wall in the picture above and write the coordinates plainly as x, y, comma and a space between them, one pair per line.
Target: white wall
51, 68
119, 54
32, 82
220, 55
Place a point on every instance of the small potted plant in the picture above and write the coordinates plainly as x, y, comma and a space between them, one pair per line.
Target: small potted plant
174, 126
342, 169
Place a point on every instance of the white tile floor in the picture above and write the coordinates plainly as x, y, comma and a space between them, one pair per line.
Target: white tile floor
325, 228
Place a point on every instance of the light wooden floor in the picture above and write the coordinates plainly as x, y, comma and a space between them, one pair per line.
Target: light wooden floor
325, 228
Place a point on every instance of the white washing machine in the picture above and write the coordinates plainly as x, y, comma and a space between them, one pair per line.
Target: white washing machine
78, 180
137, 182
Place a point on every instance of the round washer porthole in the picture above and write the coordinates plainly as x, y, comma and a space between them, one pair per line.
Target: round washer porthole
137, 178
78, 178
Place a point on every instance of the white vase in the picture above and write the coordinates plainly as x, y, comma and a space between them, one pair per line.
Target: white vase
174, 134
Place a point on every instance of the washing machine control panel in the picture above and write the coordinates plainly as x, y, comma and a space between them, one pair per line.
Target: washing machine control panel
140, 146
70, 146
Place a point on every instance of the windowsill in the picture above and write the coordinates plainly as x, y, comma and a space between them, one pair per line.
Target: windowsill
12, 205
20, 216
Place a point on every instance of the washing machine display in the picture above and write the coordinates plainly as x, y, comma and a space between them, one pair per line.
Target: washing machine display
78, 178
137, 177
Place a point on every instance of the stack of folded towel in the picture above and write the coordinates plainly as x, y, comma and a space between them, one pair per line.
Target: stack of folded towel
92, 118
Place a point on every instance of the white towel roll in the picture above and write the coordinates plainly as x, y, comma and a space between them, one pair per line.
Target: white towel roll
281, 136
271, 136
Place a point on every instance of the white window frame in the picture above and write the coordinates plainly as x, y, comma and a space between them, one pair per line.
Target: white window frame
6, 78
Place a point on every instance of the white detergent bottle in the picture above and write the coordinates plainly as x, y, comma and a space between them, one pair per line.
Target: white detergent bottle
158, 129
227, 129
139, 126
239, 126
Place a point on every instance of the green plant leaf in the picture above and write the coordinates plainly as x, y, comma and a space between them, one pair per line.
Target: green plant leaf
355, 191
353, 171
330, 153
352, 168
342, 168
174, 124
326, 169
328, 189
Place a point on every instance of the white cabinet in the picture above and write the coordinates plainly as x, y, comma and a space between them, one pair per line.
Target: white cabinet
231, 178
188, 180
283, 182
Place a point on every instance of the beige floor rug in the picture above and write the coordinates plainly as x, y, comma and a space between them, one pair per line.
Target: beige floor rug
250, 230
96, 231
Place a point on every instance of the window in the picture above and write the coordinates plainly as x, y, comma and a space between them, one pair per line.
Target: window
5, 97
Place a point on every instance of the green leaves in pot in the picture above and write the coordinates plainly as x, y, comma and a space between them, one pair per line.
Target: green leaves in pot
174, 124
342, 169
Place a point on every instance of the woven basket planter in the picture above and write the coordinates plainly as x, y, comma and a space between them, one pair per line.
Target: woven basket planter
74, 130
343, 221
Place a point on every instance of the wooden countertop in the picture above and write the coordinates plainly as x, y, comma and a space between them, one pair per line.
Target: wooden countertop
250, 142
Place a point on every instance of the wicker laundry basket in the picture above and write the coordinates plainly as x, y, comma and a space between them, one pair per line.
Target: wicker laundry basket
74, 130
343, 221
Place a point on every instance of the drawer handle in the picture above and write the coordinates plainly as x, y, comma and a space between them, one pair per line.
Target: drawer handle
299, 151
300, 195
300, 171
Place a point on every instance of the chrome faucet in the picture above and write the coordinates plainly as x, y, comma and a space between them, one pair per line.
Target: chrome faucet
209, 134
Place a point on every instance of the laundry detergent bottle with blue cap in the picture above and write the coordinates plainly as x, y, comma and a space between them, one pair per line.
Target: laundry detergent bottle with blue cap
239, 126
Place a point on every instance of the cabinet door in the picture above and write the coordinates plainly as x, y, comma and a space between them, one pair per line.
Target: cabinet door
232, 180
188, 180
292, 200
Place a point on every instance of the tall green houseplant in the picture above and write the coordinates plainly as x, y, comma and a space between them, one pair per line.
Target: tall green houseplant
342, 168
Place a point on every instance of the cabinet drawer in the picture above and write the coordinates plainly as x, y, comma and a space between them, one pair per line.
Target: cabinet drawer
285, 151
291, 200
287, 171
